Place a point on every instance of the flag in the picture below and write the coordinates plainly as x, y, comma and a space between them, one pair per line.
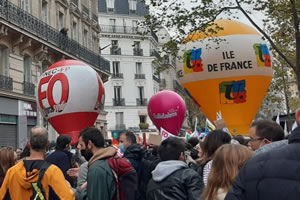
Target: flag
285, 129
278, 119
187, 136
209, 126
119, 152
295, 125
165, 134
115, 142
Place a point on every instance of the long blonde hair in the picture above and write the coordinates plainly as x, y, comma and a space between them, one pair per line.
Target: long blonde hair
227, 161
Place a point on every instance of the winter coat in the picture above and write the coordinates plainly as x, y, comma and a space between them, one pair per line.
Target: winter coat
100, 182
273, 175
18, 179
271, 146
135, 153
174, 180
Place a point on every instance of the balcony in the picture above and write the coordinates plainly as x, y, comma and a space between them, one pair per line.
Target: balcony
13, 14
115, 51
85, 10
120, 126
117, 76
6, 83
119, 102
138, 52
75, 2
28, 88
153, 52
139, 76
156, 79
141, 102
126, 30
95, 17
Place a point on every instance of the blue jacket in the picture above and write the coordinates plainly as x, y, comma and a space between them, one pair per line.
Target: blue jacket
272, 175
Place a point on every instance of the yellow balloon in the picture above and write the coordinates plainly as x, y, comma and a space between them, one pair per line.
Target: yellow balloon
230, 74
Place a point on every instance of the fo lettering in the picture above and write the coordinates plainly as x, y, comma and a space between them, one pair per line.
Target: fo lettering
48, 93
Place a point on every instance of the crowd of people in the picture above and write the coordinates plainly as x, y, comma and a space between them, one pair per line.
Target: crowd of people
217, 167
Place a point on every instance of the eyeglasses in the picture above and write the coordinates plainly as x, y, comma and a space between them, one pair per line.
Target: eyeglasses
255, 139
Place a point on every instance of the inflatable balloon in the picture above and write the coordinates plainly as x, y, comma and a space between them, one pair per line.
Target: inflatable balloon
70, 95
167, 110
230, 74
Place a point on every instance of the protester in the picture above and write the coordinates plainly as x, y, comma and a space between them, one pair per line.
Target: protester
193, 141
241, 139
8, 158
172, 178
263, 135
19, 178
61, 157
211, 143
271, 175
227, 161
132, 151
25, 153
100, 182
64, 31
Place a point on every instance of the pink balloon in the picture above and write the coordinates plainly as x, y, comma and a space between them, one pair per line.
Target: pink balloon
167, 110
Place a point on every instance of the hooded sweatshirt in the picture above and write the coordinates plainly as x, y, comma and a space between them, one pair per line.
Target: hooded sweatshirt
166, 168
100, 180
17, 182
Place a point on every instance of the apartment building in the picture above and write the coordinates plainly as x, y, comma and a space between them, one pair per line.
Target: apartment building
31, 41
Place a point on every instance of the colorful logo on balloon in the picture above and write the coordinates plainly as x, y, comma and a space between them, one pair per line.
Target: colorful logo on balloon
193, 61
232, 92
52, 77
262, 53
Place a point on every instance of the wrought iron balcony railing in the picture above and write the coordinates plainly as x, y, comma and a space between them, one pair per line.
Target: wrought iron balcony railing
119, 102
117, 76
126, 30
139, 76
25, 21
85, 10
141, 102
28, 88
120, 126
156, 79
95, 17
75, 2
115, 51
6, 83
153, 52
138, 52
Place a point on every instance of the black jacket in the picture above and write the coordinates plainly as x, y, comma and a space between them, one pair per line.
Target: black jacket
174, 180
135, 153
273, 175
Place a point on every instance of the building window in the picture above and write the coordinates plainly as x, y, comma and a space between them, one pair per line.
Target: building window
114, 43
27, 69
117, 93
60, 20
74, 31
4, 65
141, 92
137, 44
119, 118
143, 118
132, 6
45, 65
45, 11
134, 23
110, 5
85, 38
138, 68
116, 67
26, 5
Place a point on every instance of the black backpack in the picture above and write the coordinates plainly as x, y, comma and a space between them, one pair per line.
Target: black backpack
38, 192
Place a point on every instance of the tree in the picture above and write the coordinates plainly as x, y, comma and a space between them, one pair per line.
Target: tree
282, 22
193, 113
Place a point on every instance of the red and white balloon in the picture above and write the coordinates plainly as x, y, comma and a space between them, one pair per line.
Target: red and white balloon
70, 95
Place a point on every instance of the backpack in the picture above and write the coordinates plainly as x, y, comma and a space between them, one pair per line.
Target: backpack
38, 192
125, 178
148, 164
